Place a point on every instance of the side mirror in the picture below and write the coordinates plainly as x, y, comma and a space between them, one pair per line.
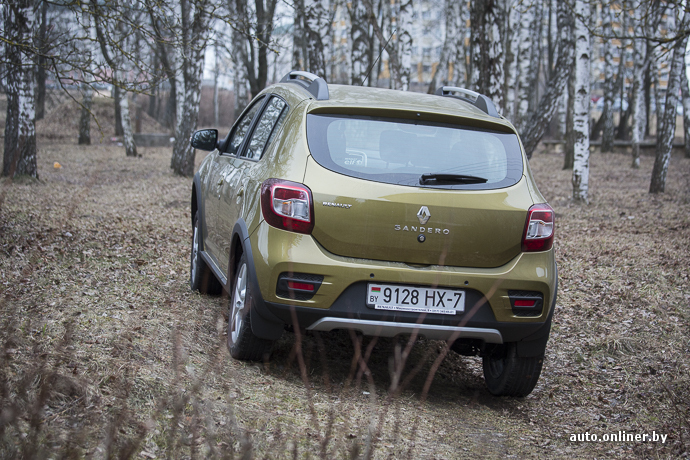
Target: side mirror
205, 139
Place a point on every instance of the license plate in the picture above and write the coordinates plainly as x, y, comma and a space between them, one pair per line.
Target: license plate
416, 299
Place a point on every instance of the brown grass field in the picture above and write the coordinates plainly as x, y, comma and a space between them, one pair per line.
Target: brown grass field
106, 353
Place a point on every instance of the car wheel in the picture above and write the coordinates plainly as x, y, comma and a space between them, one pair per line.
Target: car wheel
507, 374
200, 276
242, 342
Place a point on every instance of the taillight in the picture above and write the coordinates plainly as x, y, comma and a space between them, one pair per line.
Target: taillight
538, 234
287, 205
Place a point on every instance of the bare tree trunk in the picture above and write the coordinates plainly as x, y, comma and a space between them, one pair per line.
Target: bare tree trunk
686, 111
640, 52
512, 42
562, 116
525, 78
255, 30
125, 119
216, 73
487, 50
360, 36
665, 143
41, 67
312, 29
581, 105
404, 25
569, 144
117, 96
239, 83
20, 126
190, 56
85, 118
541, 117
607, 113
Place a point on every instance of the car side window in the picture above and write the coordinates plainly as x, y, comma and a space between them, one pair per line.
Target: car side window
269, 124
242, 128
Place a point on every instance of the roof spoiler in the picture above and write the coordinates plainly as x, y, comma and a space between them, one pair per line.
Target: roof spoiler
316, 85
480, 101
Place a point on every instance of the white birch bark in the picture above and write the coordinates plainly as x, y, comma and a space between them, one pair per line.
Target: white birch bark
190, 56
524, 60
127, 133
360, 57
511, 58
638, 108
581, 104
19, 157
540, 118
405, 43
487, 50
665, 139
493, 19
315, 29
458, 77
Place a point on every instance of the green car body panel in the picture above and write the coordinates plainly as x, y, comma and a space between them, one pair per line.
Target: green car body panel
372, 231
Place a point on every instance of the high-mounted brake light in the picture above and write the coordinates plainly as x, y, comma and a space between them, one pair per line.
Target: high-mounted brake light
538, 234
287, 205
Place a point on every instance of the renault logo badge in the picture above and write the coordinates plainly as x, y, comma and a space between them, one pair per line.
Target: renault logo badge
423, 215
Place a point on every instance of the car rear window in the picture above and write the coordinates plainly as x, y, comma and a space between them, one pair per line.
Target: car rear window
397, 151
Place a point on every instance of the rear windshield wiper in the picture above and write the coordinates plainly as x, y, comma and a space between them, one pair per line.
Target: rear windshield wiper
438, 179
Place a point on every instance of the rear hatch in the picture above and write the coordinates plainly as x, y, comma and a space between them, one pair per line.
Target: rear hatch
418, 193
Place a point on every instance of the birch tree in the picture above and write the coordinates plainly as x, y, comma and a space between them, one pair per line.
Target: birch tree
607, 111
638, 109
451, 61
194, 19
581, 104
361, 37
254, 22
487, 49
401, 25
686, 110
512, 45
540, 118
113, 39
19, 157
665, 138
312, 26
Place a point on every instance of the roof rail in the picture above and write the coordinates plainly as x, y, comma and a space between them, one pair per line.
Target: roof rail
478, 100
316, 85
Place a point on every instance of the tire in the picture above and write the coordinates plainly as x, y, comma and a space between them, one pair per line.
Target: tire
507, 374
242, 342
201, 278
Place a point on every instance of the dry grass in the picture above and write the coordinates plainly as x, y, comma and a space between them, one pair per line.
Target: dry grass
106, 352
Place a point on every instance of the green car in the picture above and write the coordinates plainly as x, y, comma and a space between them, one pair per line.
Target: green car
385, 212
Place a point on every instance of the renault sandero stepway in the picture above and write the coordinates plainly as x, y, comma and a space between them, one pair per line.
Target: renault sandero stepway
385, 212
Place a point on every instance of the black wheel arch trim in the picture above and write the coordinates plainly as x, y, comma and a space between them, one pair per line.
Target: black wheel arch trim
535, 344
197, 205
265, 324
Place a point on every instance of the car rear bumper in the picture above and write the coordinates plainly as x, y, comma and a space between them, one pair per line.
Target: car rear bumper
340, 302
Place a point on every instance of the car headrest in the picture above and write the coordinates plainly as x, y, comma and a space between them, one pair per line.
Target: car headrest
397, 146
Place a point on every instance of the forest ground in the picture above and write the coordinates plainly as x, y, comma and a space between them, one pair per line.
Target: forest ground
104, 350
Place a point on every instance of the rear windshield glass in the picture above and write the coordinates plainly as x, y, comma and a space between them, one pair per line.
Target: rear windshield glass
415, 154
